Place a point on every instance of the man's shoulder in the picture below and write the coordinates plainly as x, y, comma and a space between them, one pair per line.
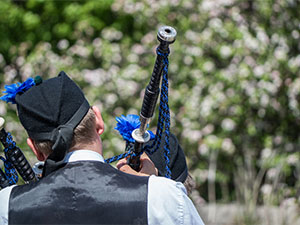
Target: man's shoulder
165, 191
4, 199
166, 185
168, 203
5, 193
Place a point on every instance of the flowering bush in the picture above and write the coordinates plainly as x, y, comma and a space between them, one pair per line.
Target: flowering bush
234, 80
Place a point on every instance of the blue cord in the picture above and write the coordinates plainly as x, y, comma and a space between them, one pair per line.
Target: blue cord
10, 172
128, 152
10, 142
164, 94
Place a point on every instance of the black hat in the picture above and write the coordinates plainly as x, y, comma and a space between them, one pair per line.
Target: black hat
155, 149
51, 111
178, 165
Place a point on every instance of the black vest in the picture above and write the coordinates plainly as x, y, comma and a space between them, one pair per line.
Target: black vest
84, 192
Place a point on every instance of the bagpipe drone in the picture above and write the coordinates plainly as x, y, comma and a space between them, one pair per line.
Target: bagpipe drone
14, 161
162, 148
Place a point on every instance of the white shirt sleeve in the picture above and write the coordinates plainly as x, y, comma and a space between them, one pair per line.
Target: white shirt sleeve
4, 204
168, 203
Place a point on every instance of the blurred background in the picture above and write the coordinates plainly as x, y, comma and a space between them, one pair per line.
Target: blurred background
234, 87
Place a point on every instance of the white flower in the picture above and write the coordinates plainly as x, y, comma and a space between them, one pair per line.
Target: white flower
258, 71
228, 124
138, 49
95, 77
264, 100
203, 149
110, 99
292, 159
63, 44
111, 34
295, 34
272, 173
193, 135
225, 51
208, 66
266, 189
212, 140
280, 53
208, 129
228, 146
266, 153
188, 60
262, 36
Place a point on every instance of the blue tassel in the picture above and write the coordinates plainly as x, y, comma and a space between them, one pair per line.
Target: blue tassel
10, 172
14, 89
126, 124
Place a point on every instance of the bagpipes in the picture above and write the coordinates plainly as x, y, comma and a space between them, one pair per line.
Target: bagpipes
14, 161
162, 148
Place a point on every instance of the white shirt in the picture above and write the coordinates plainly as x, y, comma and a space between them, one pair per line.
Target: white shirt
168, 202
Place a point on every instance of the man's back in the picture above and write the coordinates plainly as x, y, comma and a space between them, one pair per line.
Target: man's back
83, 192
166, 203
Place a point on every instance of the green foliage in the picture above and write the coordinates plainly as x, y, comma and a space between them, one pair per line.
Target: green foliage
234, 79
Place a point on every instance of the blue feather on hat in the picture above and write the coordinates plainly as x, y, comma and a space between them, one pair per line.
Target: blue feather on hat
14, 89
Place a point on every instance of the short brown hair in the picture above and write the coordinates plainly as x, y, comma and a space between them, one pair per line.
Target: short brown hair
83, 135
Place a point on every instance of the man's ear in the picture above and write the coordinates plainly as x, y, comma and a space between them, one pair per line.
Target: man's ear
99, 120
39, 155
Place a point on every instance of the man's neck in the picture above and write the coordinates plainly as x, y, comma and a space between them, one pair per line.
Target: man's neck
94, 146
83, 155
